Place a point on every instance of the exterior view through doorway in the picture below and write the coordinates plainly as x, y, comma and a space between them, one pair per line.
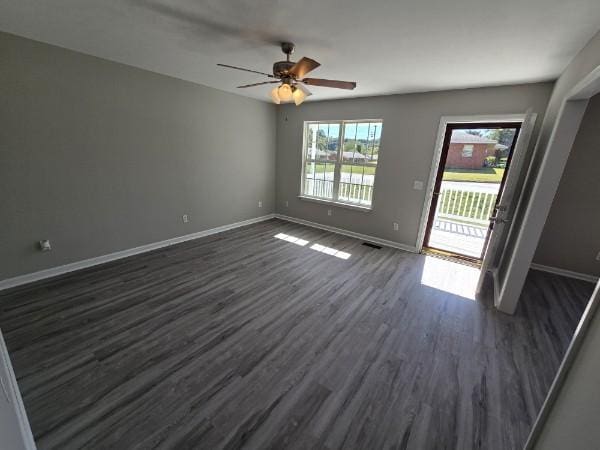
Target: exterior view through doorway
474, 162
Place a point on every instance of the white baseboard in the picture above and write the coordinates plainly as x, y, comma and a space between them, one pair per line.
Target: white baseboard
565, 273
364, 237
54, 271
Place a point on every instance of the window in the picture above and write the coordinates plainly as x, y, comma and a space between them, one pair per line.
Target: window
340, 160
467, 151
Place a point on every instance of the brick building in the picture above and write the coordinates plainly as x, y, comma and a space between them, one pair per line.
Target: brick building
468, 151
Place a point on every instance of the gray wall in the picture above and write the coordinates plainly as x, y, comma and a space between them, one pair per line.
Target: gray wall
410, 126
573, 419
583, 63
101, 157
570, 239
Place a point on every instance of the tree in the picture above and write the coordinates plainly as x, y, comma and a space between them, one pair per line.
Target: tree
321, 140
504, 136
475, 132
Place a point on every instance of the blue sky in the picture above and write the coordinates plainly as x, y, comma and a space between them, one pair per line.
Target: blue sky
361, 131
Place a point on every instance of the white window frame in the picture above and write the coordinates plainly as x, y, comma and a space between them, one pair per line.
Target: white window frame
338, 164
470, 148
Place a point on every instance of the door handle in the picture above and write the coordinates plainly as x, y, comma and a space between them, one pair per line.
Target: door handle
496, 219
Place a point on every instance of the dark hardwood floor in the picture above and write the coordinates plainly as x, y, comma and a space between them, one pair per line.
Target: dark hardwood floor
244, 340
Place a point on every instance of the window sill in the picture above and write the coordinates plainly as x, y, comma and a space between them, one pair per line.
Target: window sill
340, 204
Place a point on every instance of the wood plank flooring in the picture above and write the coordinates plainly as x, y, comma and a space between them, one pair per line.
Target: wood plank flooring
244, 340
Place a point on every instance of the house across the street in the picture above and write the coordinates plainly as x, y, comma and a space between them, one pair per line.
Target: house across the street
468, 151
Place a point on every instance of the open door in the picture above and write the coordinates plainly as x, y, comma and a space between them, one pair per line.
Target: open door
475, 160
506, 206
15, 433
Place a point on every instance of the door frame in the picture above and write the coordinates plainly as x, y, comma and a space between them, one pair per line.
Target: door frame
437, 153
546, 181
558, 149
437, 183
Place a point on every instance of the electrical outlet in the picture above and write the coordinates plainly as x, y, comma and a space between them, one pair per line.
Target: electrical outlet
45, 245
418, 185
395, 226
287, 203
260, 203
598, 257
185, 218
329, 212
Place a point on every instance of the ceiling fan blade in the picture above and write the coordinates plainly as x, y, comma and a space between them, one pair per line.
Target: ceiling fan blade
258, 84
303, 66
246, 70
330, 83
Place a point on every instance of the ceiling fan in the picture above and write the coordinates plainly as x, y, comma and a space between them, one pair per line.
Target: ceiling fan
290, 77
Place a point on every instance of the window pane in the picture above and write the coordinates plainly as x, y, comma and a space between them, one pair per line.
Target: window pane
320, 170
349, 192
309, 170
351, 174
366, 195
307, 186
329, 172
320, 188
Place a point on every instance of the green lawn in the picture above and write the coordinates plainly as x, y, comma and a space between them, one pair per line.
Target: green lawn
483, 175
320, 168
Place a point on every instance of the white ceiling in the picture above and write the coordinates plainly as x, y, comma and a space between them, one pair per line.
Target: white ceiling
387, 46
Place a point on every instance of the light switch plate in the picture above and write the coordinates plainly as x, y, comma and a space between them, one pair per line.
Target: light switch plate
418, 185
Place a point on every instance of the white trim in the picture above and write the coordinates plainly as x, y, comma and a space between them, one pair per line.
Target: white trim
587, 87
439, 143
338, 204
496, 284
16, 400
565, 273
363, 237
54, 271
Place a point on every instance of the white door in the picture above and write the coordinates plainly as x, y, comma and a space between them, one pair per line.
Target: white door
506, 206
15, 433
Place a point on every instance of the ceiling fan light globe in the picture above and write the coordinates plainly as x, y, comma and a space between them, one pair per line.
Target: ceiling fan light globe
299, 96
275, 96
285, 93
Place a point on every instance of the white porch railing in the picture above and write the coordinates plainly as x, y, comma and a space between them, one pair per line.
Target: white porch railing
356, 193
466, 204
348, 192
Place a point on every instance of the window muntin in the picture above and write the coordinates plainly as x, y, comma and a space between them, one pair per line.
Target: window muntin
340, 160
467, 151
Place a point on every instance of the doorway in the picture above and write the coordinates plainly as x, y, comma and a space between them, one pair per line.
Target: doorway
472, 170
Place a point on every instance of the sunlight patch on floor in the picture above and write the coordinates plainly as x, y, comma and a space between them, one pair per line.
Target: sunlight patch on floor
317, 247
451, 277
330, 251
292, 239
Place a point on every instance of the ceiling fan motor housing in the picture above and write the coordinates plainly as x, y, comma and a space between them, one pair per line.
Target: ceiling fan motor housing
281, 68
